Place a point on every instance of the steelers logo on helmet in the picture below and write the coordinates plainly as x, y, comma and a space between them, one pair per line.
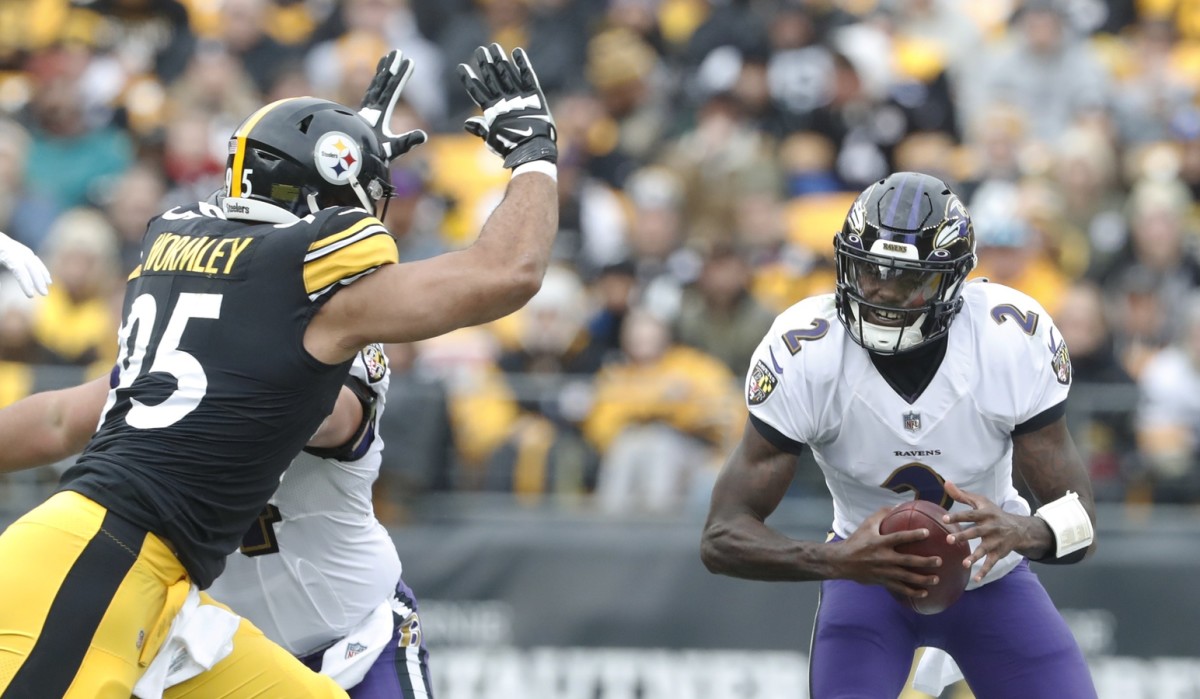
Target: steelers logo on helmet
338, 158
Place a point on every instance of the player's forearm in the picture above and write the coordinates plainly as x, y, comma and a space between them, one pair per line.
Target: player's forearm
517, 240
36, 431
747, 548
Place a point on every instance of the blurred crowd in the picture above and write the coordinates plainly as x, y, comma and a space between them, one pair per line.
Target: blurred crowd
708, 151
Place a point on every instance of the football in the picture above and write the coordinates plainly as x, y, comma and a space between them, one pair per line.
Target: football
952, 576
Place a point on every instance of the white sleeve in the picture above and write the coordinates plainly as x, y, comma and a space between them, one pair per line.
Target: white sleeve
1044, 378
776, 389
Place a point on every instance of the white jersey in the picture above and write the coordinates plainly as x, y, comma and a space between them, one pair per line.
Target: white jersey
1005, 363
322, 562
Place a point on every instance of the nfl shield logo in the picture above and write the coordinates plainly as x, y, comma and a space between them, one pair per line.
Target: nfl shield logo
912, 421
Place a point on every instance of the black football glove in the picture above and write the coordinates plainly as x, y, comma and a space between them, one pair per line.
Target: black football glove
378, 104
516, 123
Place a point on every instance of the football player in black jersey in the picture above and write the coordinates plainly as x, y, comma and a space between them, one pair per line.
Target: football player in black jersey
237, 332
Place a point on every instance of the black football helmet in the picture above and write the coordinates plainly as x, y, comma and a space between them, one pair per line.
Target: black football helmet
902, 256
297, 156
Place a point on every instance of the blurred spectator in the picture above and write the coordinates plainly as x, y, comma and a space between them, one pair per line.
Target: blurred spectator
75, 323
145, 36
558, 47
663, 416
1161, 250
996, 144
68, 155
717, 161
1169, 414
718, 314
614, 290
416, 425
413, 214
25, 215
657, 239
363, 27
243, 31
215, 83
1010, 253
1156, 82
632, 86
131, 202
550, 371
193, 167
1086, 179
1102, 393
1044, 68
591, 216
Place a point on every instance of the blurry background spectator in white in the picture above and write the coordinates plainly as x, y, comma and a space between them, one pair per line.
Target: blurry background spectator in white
1169, 414
1044, 68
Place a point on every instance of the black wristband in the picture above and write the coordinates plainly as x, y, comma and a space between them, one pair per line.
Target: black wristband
536, 148
1051, 559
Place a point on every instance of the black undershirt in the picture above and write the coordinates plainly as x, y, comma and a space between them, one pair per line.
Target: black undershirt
910, 373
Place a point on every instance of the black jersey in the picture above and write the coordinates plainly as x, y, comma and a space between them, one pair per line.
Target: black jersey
213, 393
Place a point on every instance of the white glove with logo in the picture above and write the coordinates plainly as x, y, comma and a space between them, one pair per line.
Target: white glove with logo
516, 123
32, 276
391, 74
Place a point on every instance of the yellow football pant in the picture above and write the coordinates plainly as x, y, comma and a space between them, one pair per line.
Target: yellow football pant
86, 600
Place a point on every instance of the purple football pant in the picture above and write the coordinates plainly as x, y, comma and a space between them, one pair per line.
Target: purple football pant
402, 670
1007, 638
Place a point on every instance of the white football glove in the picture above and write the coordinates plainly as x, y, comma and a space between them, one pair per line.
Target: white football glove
391, 74
516, 123
31, 275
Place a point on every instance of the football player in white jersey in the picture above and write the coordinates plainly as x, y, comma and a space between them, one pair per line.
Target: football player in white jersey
911, 381
317, 573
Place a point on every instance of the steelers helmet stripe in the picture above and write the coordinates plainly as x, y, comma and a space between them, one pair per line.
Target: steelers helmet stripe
239, 153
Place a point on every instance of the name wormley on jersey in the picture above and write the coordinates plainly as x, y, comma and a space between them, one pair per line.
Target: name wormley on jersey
201, 254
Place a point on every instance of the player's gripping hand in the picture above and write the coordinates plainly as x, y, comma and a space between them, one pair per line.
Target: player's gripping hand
870, 558
516, 122
391, 75
31, 275
999, 532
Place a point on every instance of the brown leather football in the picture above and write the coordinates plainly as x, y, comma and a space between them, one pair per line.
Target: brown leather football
952, 576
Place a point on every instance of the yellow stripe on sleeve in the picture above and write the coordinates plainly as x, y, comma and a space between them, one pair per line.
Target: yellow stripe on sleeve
342, 235
368, 253
137, 272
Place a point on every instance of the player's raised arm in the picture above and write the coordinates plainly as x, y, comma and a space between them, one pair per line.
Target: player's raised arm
50, 426
737, 541
503, 268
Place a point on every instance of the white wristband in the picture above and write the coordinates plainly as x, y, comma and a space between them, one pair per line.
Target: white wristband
1070, 523
543, 166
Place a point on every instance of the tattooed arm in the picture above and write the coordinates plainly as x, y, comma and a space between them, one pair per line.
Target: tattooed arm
1046, 458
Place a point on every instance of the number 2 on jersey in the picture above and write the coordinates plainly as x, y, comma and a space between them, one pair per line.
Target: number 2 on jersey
918, 478
190, 381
